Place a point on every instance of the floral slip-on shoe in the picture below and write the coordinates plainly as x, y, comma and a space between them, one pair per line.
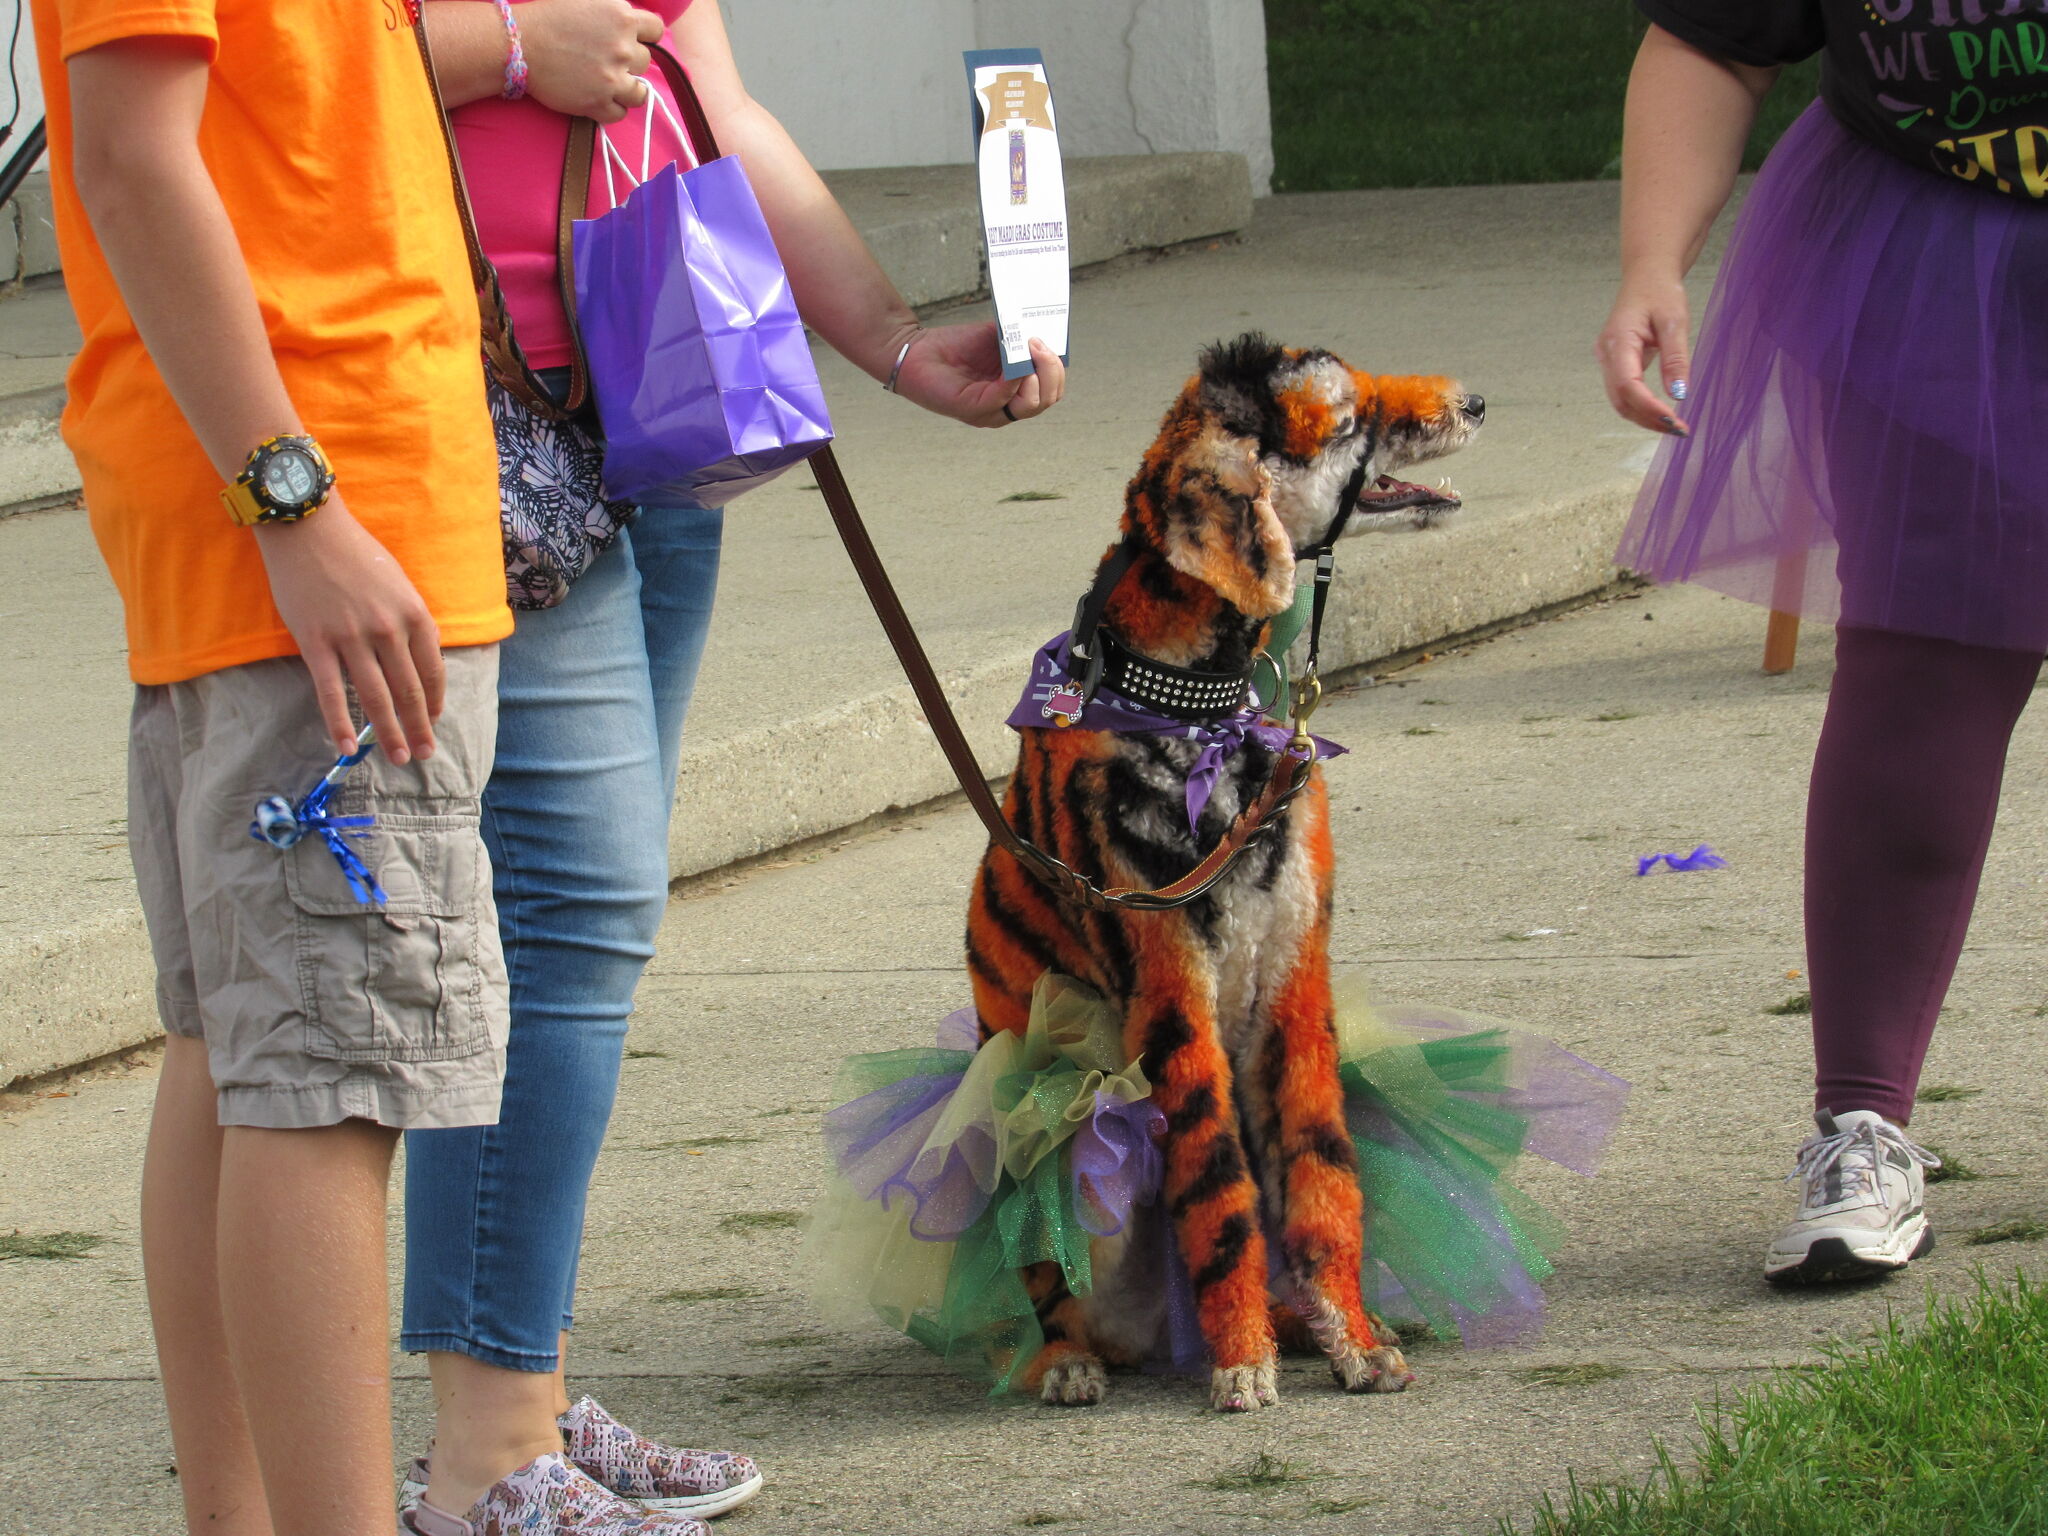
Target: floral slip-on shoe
654, 1476
549, 1496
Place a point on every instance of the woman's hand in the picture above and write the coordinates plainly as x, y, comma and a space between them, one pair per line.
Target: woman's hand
1648, 317
586, 58
957, 371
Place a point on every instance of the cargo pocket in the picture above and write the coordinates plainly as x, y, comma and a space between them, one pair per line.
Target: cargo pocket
406, 982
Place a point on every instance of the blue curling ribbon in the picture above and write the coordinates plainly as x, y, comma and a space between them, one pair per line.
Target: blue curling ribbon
283, 825
1702, 857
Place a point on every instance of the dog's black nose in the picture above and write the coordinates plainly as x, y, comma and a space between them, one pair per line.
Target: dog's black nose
1475, 407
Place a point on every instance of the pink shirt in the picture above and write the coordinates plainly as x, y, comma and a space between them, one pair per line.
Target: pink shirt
512, 153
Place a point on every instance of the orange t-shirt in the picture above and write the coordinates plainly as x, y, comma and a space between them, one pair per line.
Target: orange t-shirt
322, 137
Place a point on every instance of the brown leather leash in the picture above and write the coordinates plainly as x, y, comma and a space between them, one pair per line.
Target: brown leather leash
1291, 771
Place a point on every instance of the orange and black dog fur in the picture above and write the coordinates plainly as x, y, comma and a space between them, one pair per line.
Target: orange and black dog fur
1227, 1001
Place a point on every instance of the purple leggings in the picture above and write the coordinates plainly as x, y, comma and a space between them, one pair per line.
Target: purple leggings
1905, 789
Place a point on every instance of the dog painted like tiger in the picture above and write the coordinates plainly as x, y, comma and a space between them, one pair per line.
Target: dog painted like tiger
1226, 1002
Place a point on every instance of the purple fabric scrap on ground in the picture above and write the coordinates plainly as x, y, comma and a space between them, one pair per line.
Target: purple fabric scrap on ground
1702, 857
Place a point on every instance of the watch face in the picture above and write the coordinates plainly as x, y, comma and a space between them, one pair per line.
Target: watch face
291, 477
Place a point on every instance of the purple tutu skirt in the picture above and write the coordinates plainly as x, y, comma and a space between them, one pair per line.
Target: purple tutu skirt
1869, 404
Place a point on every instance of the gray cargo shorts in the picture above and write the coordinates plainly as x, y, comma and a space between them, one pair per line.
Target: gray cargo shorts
316, 1008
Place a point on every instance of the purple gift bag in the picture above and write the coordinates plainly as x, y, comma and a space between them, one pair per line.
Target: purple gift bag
703, 379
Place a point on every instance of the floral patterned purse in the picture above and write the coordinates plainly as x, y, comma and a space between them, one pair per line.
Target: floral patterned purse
556, 519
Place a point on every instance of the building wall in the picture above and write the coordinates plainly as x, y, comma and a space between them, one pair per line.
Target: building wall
866, 83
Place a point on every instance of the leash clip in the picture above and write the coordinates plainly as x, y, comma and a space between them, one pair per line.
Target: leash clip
1308, 694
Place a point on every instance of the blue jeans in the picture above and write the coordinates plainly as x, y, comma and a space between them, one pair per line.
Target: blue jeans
591, 701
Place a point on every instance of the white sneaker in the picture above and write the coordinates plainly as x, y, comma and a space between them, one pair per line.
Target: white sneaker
1861, 1203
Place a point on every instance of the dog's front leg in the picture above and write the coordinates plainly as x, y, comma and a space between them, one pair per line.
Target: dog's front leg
1322, 1228
1210, 1196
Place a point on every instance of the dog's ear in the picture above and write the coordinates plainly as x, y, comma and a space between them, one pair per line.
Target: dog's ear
1226, 534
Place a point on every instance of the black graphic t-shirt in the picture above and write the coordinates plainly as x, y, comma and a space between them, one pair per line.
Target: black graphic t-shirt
1958, 86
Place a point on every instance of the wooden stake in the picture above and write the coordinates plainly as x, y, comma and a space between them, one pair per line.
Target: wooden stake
1781, 642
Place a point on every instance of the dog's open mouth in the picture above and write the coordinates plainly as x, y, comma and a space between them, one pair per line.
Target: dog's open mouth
1387, 495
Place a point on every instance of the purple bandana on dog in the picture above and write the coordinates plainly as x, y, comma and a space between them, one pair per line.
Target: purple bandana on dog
1051, 687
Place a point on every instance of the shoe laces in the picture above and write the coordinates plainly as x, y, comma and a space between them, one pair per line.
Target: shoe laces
1855, 1155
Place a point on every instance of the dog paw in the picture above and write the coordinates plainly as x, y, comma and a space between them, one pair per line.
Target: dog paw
1076, 1383
1243, 1388
1371, 1370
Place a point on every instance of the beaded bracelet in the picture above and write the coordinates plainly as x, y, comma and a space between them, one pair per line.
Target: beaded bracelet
515, 55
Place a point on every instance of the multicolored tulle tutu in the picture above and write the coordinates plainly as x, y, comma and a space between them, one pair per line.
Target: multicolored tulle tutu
1867, 404
957, 1166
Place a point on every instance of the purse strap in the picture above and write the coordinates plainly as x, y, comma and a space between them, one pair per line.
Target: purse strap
502, 354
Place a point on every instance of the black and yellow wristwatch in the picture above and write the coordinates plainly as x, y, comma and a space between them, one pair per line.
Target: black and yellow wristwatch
287, 478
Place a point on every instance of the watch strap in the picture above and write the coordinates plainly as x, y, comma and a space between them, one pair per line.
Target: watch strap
239, 497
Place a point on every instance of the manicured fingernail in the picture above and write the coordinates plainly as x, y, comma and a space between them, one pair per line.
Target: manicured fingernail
1676, 389
1671, 425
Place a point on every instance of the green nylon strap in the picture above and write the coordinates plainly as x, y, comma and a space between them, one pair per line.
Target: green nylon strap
1287, 627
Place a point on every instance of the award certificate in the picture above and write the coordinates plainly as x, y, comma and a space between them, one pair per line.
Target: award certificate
1023, 201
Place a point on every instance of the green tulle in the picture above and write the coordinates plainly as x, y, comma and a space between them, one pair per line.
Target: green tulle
1446, 1232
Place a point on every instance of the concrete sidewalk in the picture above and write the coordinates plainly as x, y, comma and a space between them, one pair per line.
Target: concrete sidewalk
802, 724
1487, 825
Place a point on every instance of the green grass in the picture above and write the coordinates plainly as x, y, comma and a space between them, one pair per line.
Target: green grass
708, 1293
1264, 1473
1932, 1431
1952, 1168
1440, 93
1945, 1093
1336, 1506
2021, 1229
761, 1221
1585, 1373
1799, 1004
48, 1245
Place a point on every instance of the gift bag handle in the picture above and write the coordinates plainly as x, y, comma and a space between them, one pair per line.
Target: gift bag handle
697, 137
655, 106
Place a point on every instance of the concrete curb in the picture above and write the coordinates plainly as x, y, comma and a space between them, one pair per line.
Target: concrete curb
36, 469
28, 231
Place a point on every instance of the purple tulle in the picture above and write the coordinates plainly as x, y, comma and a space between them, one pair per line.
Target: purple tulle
1868, 404
1116, 1162
960, 1030
878, 1143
